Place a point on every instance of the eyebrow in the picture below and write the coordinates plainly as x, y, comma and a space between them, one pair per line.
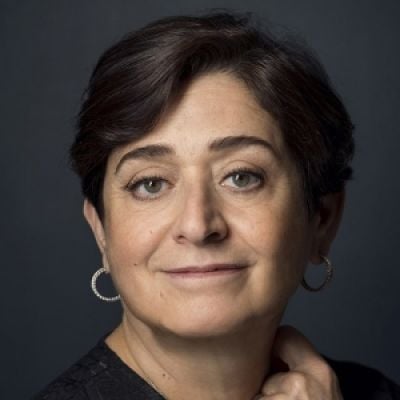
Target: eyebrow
153, 151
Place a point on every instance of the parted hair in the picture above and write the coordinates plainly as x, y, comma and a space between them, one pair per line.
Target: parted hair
138, 79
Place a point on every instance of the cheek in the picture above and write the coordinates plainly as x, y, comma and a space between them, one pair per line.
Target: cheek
131, 242
276, 229
130, 239
281, 237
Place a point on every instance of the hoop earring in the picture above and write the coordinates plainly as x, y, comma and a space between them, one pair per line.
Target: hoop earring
329, 274
94, 287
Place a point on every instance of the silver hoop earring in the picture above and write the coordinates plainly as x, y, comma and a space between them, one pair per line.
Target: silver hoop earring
94, 287
329, 274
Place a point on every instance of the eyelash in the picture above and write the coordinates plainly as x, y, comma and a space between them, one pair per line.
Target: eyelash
131, 186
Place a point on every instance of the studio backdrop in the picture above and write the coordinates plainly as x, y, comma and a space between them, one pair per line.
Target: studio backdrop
49, 315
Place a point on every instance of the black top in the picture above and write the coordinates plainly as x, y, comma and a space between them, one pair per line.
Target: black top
102, 375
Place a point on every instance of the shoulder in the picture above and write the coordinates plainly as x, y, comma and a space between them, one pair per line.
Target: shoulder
99, 374
77, 381
361, 382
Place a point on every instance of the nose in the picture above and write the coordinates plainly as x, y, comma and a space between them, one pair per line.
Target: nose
200, 218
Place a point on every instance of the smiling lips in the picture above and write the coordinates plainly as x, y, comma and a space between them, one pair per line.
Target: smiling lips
205, 270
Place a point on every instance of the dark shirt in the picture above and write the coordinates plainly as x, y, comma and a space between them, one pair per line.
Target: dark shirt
102, 375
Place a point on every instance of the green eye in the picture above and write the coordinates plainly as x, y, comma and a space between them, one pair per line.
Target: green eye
150, 185
243, 177
239, 181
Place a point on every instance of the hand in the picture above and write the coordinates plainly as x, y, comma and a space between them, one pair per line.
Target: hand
306, 374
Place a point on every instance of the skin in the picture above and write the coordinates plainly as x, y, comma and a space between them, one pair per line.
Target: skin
213, 338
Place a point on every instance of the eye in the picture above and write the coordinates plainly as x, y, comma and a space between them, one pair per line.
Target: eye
245, 177
151, 185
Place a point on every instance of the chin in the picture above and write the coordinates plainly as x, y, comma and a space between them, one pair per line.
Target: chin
206, 329
207, 323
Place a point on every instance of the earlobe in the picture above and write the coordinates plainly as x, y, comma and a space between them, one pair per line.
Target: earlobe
95, 224
328, 221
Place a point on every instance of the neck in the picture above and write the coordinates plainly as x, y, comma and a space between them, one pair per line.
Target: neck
217, 368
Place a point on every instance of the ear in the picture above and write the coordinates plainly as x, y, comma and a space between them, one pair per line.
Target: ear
97, 228
327, 221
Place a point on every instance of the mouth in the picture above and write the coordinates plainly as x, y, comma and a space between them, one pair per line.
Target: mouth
199, 271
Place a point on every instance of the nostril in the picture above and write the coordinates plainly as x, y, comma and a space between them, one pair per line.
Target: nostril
199, 219
199, 222
216, 236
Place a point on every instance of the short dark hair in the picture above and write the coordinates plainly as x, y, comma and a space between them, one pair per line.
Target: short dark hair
137, 80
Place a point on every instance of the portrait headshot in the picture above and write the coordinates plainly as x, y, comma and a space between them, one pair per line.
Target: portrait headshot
200, 200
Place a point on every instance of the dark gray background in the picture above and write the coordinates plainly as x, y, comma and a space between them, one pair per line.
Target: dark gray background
48, 48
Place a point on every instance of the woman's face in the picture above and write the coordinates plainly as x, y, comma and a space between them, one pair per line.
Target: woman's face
221, 190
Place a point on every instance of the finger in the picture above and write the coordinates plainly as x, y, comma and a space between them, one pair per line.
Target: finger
285, 383
296, 384
274, 383
294, 349
277, 396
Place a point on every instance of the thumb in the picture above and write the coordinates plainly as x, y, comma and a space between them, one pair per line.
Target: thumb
294, 349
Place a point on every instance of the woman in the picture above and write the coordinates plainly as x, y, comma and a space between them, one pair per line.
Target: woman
213, 159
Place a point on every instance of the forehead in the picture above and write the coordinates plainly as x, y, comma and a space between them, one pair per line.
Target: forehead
214, 106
